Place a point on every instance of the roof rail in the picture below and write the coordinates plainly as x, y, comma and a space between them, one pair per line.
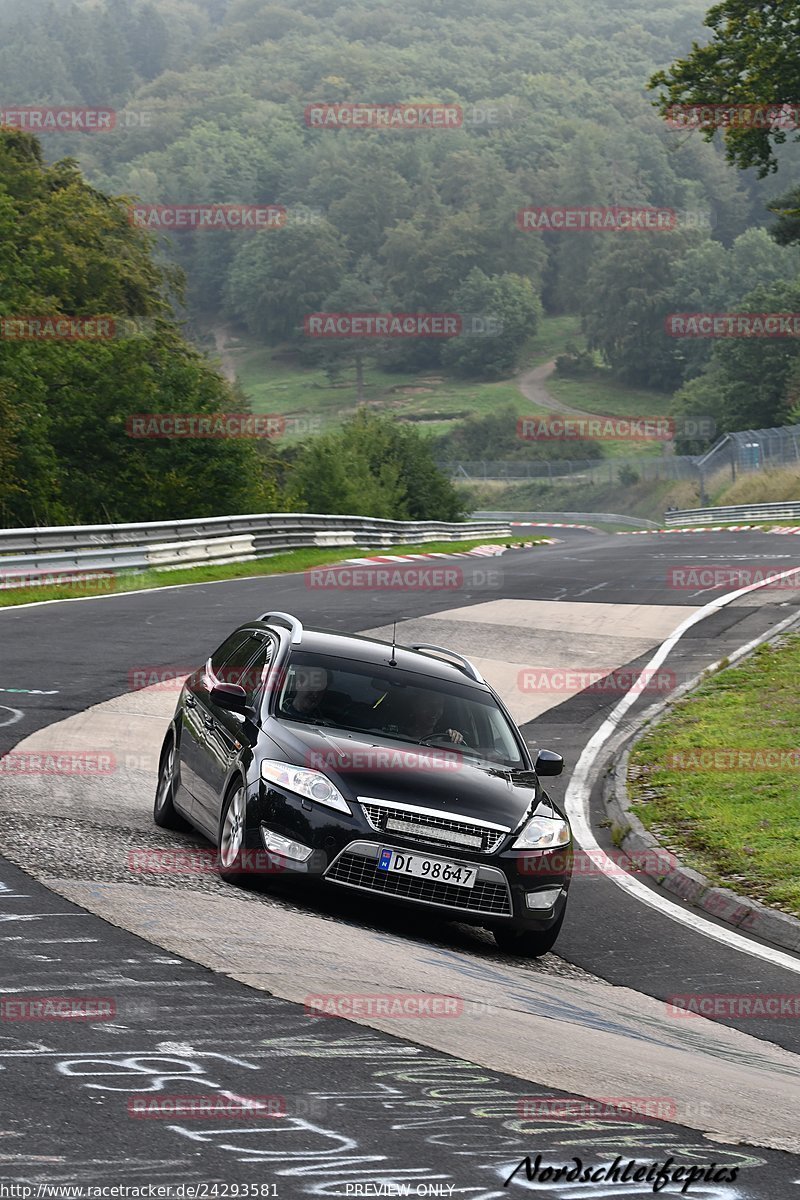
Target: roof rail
466, 666
288, 620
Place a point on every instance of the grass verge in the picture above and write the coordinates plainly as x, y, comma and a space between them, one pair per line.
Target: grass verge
601, 393
279, 564
717, 780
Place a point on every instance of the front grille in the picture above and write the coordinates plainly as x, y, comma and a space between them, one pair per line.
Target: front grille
424, 826
360, 871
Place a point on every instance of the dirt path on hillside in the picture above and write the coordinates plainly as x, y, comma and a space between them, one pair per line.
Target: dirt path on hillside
226, 357
532, 386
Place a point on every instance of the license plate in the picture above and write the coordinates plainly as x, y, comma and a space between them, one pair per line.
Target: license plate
437, 869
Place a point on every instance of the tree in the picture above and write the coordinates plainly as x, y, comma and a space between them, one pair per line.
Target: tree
336, 354
281, 276
65, 452
375, 467
751, 59
629, 294
499, 314
749, 383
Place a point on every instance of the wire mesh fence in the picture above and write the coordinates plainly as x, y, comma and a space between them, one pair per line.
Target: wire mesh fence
746, 450
591, 470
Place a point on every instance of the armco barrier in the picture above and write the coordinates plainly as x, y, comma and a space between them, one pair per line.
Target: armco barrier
734, 513
566, 518
161, 545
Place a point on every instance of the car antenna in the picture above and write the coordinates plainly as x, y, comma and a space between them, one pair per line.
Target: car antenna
393, 659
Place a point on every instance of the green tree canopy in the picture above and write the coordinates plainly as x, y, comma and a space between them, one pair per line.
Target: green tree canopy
376, 467
64, 449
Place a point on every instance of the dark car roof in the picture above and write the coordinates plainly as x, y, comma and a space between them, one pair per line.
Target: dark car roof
373, 650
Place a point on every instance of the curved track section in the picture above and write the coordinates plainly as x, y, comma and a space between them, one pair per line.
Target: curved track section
590, 1021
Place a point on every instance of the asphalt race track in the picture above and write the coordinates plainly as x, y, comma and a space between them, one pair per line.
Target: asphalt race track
208, 998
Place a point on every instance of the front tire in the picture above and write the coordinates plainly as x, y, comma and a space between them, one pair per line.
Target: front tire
530, 943
165, 813
231, 841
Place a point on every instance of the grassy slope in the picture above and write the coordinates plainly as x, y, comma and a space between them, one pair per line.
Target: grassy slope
739, 827
638, 499
600, 393
275, 383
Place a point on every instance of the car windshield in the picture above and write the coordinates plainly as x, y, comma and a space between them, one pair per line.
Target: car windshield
378, 700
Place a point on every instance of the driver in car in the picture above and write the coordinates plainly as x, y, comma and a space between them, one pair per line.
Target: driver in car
424, 720
310, 685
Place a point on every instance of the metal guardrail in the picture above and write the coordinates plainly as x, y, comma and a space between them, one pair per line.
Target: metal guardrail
734, 513
565, 518
160, 545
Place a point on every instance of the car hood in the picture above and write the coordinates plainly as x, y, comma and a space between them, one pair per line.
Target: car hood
382, 768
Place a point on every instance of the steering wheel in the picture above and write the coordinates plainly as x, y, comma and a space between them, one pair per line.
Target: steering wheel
441, 739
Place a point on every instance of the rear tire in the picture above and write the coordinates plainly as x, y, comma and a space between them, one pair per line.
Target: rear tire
531, 943
165, 813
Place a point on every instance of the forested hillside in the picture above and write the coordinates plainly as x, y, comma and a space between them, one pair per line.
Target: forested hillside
212, 99
555, 111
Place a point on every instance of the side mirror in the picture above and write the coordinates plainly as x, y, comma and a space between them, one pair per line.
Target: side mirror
230, 696
548, 763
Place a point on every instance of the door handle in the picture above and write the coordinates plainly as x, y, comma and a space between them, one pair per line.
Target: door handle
209, 722
190, 701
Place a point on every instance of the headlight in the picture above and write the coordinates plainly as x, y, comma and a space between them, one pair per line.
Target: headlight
313, 785
542, 833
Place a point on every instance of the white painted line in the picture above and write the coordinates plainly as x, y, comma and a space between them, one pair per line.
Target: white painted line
27, 692
580, 786
586, 591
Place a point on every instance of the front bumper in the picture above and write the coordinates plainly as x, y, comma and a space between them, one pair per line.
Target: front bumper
345, 853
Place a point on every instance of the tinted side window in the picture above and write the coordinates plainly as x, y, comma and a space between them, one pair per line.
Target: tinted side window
234, 668
250, 679
223, 652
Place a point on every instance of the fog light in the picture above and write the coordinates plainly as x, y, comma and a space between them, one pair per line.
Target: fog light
543, 899
285, 846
